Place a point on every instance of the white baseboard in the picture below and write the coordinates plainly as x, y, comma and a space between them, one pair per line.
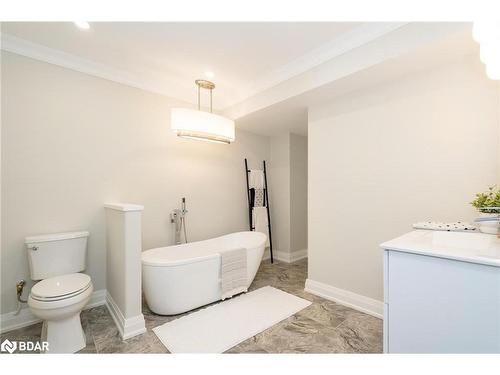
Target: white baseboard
98, 298
284, 256
129, 327
298, 255
344, 297
10, 321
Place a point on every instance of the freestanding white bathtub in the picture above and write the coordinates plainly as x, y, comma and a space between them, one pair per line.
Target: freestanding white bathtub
183, 277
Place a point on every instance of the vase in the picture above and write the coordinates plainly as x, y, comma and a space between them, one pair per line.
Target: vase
490, 227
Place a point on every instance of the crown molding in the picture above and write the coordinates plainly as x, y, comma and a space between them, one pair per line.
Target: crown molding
350, 40
359, 36
386, 46
39, 52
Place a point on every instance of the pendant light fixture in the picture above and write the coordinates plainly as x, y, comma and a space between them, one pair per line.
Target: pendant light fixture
201, 125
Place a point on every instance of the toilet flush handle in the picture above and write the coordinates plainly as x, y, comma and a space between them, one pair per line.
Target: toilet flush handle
34, 248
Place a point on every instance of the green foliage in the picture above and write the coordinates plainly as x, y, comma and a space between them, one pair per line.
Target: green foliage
490, 198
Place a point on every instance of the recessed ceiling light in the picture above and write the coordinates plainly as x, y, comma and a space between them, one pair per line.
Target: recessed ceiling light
82, 24
209, 74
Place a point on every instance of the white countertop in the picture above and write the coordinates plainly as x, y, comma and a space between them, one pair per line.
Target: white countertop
463, 246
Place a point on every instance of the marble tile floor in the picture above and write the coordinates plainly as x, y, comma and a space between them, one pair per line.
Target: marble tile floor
323, 327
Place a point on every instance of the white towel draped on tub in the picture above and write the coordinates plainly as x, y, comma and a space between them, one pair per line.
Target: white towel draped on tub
260, 223
233, 272
256, 179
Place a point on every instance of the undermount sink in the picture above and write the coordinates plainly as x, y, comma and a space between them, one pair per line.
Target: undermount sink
462, 240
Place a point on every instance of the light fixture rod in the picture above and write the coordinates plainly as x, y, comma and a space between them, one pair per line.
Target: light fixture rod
199, 89
207, 85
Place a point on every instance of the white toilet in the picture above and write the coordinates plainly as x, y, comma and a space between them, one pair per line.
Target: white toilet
58, 299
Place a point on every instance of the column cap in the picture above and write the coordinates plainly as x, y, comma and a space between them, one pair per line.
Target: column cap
124, 207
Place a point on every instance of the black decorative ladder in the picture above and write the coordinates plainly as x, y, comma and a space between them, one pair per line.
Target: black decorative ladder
265, 204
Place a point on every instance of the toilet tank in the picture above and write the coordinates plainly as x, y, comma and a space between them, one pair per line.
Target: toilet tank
56, 254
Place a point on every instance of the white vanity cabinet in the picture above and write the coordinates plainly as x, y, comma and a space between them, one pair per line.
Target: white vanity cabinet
442, 293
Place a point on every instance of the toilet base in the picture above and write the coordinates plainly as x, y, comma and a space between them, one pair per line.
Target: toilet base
65, 335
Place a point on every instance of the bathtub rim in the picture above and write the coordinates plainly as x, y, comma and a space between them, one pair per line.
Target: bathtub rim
180, 262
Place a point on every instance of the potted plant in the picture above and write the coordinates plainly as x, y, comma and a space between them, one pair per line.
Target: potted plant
488, 204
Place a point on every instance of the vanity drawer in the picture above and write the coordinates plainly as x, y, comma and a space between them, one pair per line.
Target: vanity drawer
436, 305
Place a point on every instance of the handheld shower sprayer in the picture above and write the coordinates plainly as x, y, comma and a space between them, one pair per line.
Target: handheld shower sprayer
177, 217
184, 205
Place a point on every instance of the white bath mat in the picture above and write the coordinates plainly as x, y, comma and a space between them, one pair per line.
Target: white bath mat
218, 328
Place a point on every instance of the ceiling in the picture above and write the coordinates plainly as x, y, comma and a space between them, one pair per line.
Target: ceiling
291, 114
267, 74
173, 55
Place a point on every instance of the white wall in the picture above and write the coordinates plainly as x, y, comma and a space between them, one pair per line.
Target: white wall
382, 159
288, 194
279, 192
71, 142
298, 193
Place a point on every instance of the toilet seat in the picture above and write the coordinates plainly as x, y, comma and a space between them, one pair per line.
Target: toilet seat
61, 287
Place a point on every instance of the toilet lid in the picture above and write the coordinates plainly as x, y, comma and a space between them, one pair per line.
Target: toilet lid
64, 286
